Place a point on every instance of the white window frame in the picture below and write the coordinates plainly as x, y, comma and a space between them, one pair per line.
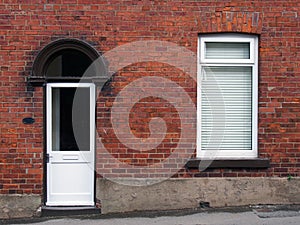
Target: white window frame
251, 62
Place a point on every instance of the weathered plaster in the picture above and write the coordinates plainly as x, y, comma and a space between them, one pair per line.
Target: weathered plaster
19, 206
187, 193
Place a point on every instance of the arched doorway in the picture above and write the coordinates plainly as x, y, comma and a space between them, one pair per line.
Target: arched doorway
70, 121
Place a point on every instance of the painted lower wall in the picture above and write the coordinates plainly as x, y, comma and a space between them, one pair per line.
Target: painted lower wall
188, 193
171, 194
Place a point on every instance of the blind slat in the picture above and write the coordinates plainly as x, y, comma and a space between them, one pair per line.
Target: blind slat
226, 105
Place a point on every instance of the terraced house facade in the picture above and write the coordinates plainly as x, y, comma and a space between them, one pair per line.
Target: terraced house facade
119, 106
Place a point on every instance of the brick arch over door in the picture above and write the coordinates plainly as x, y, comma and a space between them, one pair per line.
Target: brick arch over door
40, 73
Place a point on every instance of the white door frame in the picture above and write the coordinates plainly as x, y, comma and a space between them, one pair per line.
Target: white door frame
70, 174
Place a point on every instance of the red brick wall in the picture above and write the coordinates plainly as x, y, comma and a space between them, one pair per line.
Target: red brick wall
26, 28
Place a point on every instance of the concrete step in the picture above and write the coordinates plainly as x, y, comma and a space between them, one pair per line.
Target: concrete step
69, 210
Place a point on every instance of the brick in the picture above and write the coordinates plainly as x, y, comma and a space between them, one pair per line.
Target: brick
106, 26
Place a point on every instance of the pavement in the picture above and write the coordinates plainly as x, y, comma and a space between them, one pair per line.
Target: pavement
250, 215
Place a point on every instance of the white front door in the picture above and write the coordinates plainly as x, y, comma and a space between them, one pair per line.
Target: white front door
70, 144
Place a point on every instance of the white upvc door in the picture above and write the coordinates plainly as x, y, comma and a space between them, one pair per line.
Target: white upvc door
70, 144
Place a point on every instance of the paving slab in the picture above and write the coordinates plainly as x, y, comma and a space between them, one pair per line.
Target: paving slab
256, 215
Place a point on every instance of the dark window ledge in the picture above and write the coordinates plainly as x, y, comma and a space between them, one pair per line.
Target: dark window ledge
259, 163
41, 81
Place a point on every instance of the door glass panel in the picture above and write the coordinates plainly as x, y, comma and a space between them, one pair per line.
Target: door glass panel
71, 119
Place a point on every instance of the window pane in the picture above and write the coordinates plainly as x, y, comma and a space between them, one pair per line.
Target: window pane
227, 50
226, 108
63, 137
68, 63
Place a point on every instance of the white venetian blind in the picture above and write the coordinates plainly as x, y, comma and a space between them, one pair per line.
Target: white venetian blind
226, 108
227, 50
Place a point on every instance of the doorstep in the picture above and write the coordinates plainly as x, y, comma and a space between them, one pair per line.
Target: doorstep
69, 210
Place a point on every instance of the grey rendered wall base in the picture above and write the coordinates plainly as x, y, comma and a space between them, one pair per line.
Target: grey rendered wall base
19, 206
187, 193
171, 194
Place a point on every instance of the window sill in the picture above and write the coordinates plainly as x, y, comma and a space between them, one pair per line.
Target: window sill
259, 163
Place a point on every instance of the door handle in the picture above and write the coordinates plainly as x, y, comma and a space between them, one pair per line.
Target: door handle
48, 157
